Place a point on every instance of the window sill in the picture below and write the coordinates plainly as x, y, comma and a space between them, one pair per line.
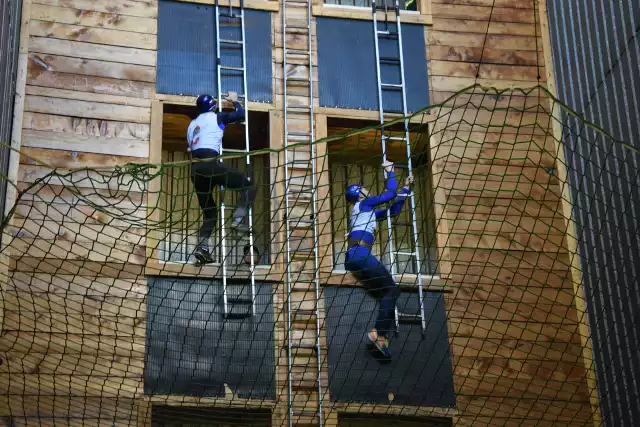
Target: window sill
405, 281
364, 13
263, 273
268, 5
191, 100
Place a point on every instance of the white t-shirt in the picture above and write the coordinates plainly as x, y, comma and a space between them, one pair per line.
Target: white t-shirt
363, 221
205, 132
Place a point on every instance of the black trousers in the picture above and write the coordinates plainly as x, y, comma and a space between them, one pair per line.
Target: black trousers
205, 176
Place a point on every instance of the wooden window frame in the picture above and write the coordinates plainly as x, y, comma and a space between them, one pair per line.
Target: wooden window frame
422, 16
268, 5
329, 274
154, 266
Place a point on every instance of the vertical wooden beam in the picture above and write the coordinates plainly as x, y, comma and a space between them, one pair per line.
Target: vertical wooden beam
441, 218
16, 143
143, 407
276, 172
154, 187
567, 209
424, 7
323, 182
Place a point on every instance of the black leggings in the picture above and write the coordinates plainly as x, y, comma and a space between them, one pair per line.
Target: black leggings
205, 176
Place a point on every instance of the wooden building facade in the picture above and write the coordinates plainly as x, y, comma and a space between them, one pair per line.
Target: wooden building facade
75, 320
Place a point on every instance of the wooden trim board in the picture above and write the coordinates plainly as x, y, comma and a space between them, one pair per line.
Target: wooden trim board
374, 115
268, 5
567, 209
16, 142
154, 186
423, 16
191, 100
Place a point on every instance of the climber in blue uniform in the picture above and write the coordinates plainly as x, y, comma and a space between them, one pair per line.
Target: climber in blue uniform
359, 259
205, 142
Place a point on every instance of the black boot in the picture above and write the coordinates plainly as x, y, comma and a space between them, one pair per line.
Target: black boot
202, 254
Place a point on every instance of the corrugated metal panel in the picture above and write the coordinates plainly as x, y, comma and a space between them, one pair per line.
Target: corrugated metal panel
596, 47
347, 65
193, 350
9, 40
420, 373
187, 51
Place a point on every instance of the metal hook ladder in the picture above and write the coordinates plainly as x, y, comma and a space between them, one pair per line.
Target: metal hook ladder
234, 16
387, 33
300, 159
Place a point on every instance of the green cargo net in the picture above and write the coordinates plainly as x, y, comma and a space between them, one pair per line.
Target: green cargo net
108, 320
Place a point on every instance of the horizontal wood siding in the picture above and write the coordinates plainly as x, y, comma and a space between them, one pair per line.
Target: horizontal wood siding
75, 303
513, 325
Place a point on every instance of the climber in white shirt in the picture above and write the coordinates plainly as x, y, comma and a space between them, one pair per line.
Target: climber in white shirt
205, 142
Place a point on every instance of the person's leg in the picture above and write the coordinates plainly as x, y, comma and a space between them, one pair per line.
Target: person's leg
386, 290
237, 181
203, 185
380, 284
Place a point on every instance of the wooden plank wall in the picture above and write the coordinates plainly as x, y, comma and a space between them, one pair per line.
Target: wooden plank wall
80, 315
299, 40
513, 325
74, 329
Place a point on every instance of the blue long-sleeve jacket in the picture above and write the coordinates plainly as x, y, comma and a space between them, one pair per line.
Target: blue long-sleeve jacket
364, 215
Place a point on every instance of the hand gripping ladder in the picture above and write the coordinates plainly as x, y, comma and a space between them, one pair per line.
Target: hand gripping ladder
226, 69
385, 32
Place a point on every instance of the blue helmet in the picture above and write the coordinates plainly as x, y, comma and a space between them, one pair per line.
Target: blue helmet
353, 193
205, 103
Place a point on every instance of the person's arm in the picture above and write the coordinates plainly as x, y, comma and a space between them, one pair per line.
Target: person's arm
389, 193
225, 118
395, 207
234, 116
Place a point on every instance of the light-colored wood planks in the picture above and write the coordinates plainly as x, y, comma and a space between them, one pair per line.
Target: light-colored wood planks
81, 33
103, 52
92, 18
513, 324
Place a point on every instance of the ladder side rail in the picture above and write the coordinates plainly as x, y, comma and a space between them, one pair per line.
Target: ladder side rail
414, 222
383, 137
314, 213
223, 246
286, 221
247, 156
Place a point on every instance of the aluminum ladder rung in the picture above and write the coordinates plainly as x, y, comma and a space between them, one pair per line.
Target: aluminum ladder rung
307, 134
297, 27
297, 79
232, 315
236, 42
388, 34
410, 319
240, 300
305, 387
390, 60
231, 15
392, 86
227, 67
304, 346
298, 109
406, 253
298, 52
394, 138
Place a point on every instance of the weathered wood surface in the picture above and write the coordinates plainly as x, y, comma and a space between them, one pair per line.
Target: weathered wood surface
511, 319
513, 325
